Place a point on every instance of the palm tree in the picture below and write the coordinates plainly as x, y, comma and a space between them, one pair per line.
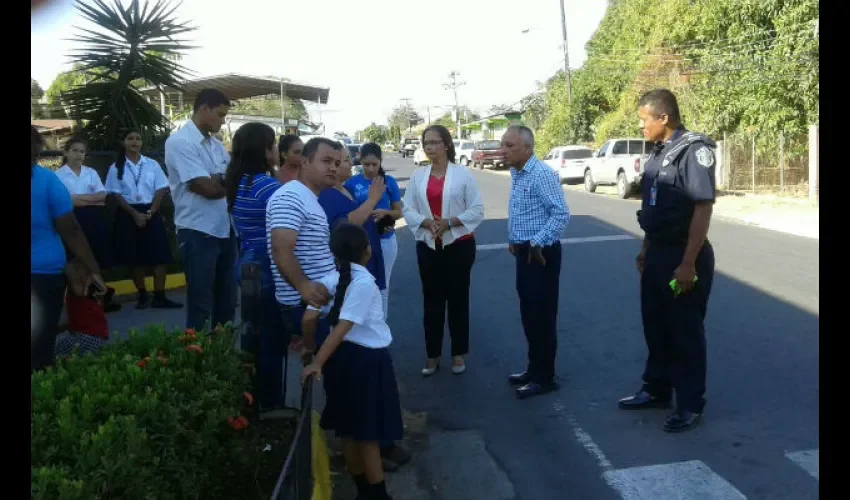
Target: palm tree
128, 48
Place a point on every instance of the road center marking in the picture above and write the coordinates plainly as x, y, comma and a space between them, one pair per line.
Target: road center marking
565, 241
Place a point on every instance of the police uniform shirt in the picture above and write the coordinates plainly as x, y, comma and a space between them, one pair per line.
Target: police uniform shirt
678, 174
88, 182
140, 182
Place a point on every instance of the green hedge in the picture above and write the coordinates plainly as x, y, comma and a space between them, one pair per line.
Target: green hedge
156, 416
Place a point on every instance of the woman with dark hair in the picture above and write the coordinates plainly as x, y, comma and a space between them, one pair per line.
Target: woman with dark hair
89, 198
139, 184
442, 207
52, 222
387, 211
249, 183
290, 148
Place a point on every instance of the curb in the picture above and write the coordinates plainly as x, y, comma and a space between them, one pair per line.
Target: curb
126, 287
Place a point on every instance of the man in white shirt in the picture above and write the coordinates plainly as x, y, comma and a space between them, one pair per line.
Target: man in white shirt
196, 163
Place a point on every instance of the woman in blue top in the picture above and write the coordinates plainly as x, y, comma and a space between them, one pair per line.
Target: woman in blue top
249, 183
340, 206
387, 211
52, 221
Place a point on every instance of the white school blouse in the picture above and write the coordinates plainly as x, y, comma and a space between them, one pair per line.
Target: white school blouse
140, 182
461, 199
362, 305
88, 182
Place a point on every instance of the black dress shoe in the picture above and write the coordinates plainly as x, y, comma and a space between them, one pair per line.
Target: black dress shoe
520, 378
682, 420
643, 401
534, 389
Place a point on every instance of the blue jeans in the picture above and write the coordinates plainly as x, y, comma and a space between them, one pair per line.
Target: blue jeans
210, 287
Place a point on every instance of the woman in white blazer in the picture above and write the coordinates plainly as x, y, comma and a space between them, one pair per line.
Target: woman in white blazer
442, 206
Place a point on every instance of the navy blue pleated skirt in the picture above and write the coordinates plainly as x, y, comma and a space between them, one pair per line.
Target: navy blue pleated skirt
362, 400
140, 246
93, 224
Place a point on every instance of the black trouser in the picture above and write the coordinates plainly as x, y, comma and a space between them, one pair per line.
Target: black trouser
673, 326
49, 289
445, 274
538, 287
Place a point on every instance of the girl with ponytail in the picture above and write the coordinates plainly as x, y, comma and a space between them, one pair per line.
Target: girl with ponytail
362, 403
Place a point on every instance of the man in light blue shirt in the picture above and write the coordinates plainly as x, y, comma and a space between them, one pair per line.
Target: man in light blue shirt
537, 214
196, 163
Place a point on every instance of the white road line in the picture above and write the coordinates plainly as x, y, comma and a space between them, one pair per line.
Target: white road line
809, 460
691, 480
565, 241
590, 445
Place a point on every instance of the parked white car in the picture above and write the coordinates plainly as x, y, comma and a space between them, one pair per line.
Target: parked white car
569, 161
618, 162
419, 157
463, 151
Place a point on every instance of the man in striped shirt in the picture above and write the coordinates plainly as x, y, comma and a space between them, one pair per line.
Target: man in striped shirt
537, 214
298, 233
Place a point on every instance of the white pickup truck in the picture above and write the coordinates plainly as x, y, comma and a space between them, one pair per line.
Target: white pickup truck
618, 162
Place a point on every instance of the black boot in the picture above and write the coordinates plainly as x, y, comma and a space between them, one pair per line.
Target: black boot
377, 491
160, 301
362, 486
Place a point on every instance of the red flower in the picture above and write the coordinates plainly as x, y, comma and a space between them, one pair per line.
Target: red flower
194, 348
248, 397
190, 332
142, 363
238, 423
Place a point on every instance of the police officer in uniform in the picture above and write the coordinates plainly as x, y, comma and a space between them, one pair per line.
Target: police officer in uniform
676, 262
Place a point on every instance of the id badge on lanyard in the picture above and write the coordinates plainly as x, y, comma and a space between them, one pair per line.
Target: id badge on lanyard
653, 192
137, 177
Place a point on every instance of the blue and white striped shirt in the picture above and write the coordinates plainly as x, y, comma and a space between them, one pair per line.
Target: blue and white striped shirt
296, 208
537, 211
249, 210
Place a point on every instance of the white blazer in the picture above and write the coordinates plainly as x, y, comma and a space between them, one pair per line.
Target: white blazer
461, 199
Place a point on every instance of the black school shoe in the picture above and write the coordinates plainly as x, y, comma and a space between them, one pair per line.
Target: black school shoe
643, 400
160, 301
682, 420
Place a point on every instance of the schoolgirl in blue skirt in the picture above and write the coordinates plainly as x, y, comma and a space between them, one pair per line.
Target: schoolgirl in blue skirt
139, 185
89, 197
362, 403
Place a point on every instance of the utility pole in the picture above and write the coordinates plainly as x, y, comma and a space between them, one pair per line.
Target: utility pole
566, 53
407, 111
453, 86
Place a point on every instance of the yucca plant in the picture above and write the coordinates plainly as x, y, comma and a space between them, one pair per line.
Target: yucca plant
130, 46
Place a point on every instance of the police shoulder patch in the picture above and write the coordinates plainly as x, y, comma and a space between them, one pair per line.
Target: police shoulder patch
705, 156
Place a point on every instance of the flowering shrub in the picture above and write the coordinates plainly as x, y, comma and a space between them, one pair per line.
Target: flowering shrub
160, 415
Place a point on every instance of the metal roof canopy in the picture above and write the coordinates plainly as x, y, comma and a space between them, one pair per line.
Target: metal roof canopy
236, 86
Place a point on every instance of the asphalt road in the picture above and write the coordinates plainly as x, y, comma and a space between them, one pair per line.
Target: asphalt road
758, 438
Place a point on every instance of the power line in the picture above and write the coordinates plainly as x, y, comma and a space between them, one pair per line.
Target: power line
453, 86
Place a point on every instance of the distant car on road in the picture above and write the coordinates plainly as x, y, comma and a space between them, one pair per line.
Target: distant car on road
488, 153
569, 162
463, 151
354, 151
420, 158
618, 162
409, 146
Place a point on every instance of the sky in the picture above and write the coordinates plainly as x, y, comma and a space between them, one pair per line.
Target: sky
370, 53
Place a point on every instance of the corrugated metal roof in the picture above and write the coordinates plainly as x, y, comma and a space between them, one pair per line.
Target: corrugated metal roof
51, 125
236, 86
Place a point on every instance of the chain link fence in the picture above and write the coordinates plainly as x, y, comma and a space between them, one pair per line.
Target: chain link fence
767, 162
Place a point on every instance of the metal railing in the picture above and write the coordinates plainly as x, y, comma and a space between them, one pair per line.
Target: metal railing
295, 481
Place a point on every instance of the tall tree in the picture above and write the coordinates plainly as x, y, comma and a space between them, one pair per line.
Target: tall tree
378, 134
404, 117
36, 93
127, 47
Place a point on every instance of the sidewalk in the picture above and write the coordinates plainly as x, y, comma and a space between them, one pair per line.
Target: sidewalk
797, 216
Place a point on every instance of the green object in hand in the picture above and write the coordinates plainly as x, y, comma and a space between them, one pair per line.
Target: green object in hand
677, 290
